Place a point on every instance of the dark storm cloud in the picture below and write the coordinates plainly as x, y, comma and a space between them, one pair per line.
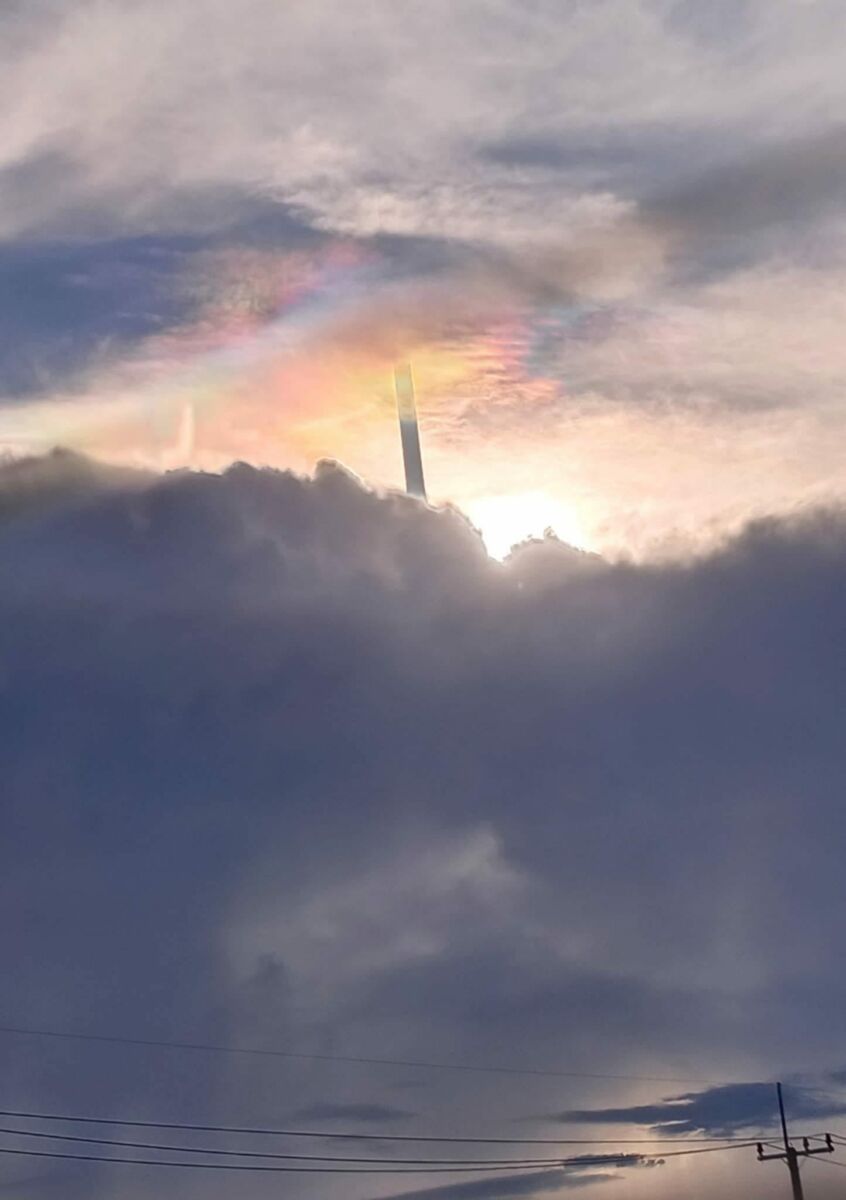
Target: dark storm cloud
30, 485
290, 765
718, 1110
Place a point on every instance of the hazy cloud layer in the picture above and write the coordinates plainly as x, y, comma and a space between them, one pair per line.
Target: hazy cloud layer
288, 764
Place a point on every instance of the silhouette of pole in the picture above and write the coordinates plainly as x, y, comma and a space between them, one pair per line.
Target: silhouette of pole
409, 432
790, 1154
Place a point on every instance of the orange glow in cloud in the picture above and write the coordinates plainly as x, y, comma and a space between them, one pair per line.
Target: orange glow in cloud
289, 359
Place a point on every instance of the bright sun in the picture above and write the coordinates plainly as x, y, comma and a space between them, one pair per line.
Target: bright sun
506, 520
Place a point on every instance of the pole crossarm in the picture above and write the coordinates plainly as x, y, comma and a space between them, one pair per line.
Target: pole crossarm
790, 1155
806, 1151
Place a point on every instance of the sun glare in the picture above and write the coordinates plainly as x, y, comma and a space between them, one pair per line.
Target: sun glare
505, 521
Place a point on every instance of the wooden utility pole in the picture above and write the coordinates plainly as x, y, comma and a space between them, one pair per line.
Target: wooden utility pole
790, 1154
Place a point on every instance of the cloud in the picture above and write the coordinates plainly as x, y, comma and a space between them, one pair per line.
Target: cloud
289, 102
535, 1183
719, 1110
327, 1111
781, 183
532, 1183
290, 764
547, 382
770, 197
653, 262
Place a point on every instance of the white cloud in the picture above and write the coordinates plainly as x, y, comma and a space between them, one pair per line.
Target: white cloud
388, 101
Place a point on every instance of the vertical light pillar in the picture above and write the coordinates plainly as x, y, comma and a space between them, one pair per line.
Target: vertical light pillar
409, 432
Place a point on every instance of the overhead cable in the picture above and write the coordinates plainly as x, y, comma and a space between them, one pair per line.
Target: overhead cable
372, 1137
347, 1058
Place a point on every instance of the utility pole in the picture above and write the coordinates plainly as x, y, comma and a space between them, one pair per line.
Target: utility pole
790, 1154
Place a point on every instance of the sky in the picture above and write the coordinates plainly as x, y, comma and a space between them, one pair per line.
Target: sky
608, 235
543, 776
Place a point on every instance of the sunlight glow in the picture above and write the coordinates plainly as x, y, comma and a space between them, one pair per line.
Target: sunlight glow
505, 521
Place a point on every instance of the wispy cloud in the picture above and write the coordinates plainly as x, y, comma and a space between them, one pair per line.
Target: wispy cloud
530, 1183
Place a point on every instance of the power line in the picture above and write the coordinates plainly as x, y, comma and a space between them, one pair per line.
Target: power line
562, 1164
198, 1166
371, 1137
831, 1162
442, 1162
347, 1058
737, 1145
